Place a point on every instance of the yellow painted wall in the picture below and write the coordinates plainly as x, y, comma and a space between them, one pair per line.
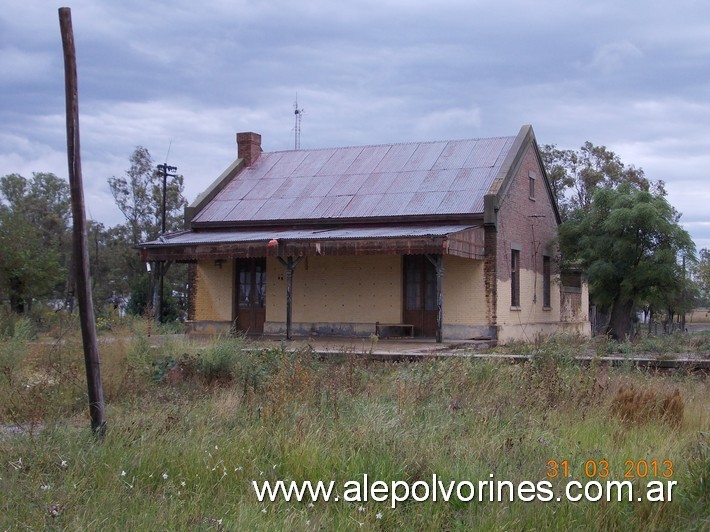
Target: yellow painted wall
213, 299
362, 289
464, 291
531, 319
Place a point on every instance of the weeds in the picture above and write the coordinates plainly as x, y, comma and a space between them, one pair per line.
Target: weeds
191, 426
632, 405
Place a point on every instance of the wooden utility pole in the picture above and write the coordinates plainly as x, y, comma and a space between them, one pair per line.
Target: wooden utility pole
80, 242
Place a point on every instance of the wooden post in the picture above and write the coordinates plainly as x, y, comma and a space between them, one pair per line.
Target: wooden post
290, 265
80, 246
438, 263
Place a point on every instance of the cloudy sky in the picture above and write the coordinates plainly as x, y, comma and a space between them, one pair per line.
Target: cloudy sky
182, 77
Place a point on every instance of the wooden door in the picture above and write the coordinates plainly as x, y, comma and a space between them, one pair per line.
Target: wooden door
420, 295
250, 296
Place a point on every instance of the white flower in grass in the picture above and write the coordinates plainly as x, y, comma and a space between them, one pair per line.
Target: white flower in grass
361, 509
123, 473
263, 510
219, 522
165, 476
182, 483
63, 463
379, 515
238, 468
311, 505
273, 466
45, 487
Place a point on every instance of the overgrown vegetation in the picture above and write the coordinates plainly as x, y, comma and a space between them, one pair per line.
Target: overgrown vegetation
191, 425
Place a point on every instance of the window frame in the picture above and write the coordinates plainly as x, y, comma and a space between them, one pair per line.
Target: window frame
515, 278
546, 282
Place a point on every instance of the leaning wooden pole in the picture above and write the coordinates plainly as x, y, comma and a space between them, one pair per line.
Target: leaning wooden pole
80, 243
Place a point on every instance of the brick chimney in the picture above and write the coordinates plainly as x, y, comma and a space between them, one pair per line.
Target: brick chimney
248, 147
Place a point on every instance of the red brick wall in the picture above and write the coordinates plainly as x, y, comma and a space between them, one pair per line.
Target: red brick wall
522, 220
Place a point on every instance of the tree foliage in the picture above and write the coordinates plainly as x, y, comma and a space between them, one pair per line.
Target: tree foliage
701, 275
139, 193
629, 241
35, 246
139, 196
575, 175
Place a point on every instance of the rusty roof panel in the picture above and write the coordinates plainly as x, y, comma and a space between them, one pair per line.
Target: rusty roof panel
264, 188
425, 156
331, 206
349, 184
453, 155
215, 211
485, 152
424, 203
304, 208
293, 187
286, 165
456, 203
367, 160
274, 208
476, 180
237, 189
395, 158
360, 206
377, 183
406, 182
319, 186
340, 161
314, 161
244, 210
391, 204
363, 206
262, 166
437, 180
387, 180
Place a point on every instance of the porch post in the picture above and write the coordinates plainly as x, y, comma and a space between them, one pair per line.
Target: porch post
290, 265
438, 263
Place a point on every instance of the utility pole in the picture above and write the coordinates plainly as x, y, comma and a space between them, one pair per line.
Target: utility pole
167, 171
80, 244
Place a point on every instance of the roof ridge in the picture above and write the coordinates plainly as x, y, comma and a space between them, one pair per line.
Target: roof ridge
409, 143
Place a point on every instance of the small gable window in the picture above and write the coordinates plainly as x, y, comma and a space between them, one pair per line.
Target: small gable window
531, 179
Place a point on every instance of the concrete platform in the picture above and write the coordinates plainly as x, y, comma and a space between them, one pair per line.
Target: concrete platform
418, 348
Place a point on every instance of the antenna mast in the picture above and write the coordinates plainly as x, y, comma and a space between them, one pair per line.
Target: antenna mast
297, 128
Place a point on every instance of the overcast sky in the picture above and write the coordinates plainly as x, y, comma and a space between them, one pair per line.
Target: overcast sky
182, 77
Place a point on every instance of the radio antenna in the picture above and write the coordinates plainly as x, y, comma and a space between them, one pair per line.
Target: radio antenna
298, 113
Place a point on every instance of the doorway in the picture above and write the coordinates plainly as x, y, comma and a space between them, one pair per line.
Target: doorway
420, 300
250, 296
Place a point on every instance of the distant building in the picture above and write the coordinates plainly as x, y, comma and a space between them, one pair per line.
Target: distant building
451, 240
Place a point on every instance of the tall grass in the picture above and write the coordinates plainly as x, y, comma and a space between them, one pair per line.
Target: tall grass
182, 448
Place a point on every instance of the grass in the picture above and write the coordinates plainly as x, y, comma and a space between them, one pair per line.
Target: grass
192, 425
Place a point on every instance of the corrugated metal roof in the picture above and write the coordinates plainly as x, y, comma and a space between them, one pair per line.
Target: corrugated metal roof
413, 179
187, 238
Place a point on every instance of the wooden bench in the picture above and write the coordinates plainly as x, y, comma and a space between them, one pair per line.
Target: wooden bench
394, 329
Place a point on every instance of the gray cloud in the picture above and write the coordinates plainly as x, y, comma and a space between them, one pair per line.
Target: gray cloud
189, 75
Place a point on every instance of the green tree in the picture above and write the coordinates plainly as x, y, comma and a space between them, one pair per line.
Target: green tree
139, 193
575, 175
35, 246
701, 275
629, 241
